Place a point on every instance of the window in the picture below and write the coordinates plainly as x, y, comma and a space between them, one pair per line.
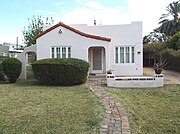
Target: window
124, 54
61, 52
64, 52
127, 54
52, 51
116, 54
121, 54
132, 58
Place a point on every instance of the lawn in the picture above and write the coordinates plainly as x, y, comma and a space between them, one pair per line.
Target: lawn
151, 111
26, 107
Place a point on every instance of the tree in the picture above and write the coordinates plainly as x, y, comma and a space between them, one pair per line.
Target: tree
171, 26
35, 27
155, 36
174, 42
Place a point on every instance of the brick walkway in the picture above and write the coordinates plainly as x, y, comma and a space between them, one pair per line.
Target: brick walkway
115, 120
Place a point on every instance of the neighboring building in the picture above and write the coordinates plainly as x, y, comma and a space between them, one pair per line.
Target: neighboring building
10, 45
105, 47
13, 49
4, 51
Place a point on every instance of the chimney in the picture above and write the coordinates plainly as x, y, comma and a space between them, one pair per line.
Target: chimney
95, 22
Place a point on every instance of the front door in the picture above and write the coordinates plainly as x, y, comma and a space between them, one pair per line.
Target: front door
97, 60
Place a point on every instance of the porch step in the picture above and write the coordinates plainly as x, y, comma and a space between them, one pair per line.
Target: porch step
97, 76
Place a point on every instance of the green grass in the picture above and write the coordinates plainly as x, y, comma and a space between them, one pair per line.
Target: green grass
151, 111
26, 107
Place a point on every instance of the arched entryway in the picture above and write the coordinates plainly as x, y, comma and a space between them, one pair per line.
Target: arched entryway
96, 59
24, 58
31, 57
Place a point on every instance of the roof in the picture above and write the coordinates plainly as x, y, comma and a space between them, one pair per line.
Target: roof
73, 30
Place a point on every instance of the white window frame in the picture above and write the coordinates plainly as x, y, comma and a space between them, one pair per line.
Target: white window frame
124, 54
58, 50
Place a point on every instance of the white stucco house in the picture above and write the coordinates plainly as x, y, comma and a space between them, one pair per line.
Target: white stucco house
105, 47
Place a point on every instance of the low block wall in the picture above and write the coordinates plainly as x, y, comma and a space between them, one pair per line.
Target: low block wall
135, 82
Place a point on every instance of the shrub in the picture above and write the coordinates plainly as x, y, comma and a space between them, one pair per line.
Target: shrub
12, 68
154, 48
2, 75
60, 71
173, 59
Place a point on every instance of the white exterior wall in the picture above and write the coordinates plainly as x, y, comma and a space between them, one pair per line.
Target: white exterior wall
157, 81
121, 35
79, 44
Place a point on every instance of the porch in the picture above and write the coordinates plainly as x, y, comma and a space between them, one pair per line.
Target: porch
97, 60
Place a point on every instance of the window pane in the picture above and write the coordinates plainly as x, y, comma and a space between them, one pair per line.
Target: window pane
58, 52
121, 54
52, 51
116, 51
69, 52
132, 54
63, 52
127, 54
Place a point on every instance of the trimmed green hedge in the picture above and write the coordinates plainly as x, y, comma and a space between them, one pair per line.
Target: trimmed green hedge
63, 71
12, 68
173, 59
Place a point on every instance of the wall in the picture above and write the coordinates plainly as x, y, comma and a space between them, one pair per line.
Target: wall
79, 44
135, 82
121, 35
23, 57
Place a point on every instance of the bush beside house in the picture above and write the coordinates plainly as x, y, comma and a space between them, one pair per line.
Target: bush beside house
155, 51
63, 71
12, 68
173, 59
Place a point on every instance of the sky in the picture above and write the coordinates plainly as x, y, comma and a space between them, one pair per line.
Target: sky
14, 14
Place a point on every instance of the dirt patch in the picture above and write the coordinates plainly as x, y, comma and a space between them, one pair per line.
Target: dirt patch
170, 77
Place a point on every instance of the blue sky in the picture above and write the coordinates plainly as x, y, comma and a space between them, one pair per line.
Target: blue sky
15, 13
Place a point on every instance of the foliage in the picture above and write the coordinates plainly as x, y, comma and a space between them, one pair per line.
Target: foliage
35, 27
12, 68
174, 42
60, 71
35, 109
154, 48
151, 111
170, 27
2, 75
173, 59
155, 36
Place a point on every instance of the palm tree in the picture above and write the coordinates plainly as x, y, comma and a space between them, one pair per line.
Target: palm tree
170, 27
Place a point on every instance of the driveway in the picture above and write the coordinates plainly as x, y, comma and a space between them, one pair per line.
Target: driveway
170, 77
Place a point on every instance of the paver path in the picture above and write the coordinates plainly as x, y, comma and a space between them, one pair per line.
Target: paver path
115, 120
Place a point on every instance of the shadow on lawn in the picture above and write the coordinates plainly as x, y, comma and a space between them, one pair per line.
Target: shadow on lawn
30, 82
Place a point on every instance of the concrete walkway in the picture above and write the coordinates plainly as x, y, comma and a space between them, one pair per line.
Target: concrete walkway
115, 120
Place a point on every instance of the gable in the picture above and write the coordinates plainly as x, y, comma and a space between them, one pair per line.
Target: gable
73, 30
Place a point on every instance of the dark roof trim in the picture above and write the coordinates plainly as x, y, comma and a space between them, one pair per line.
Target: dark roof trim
73, 30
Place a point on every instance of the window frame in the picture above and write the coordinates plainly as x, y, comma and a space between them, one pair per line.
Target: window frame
124, 50
58, 51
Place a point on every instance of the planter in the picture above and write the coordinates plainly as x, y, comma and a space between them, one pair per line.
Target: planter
158, 70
